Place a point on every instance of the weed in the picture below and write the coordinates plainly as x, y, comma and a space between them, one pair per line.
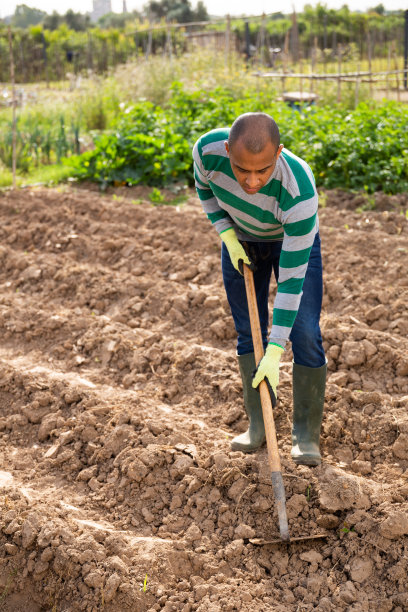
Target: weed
369, 203
346, 529
156, 196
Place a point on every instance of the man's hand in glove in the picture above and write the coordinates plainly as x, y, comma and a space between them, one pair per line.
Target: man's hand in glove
269, 367
236, 250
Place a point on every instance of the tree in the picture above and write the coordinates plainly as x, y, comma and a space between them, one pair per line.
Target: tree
117, 20
52, 22
76, 21
175, 10
201, 12
25, 16
379, 9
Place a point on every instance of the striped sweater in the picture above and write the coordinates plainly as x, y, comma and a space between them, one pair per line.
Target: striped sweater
284, 209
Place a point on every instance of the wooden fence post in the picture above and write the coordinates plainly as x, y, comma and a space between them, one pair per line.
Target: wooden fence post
247, 43
339, 72
313, 64
227, 43
394, 52
149, 42
295, 38
369, 51
45, 56
89, 54
356, 92
14, 102
262, 40
169, 43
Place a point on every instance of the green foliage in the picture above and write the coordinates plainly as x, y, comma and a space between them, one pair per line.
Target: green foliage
366, 149
25, 16
70, 43
66, 44
179, 11
38, 142
74, 21
156, 196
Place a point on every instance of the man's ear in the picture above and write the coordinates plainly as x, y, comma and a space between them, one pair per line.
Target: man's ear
279, 151
226, 146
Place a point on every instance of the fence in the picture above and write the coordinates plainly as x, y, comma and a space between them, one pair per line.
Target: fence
285, 43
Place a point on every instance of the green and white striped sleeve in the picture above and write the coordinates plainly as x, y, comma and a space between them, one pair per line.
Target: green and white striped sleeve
300, 227
218, 217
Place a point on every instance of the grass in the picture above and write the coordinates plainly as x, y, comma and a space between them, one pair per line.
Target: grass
46, 175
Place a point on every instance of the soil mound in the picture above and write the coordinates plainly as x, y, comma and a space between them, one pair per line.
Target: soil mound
120, 392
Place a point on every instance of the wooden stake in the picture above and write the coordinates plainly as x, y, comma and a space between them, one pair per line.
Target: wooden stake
396, 68
262, 41
149, 43
369, 50
313, 64
14, 102
357, 86
169, 44
227, 43
339, 73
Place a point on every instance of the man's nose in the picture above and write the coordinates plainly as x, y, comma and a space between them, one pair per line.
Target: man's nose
252, 179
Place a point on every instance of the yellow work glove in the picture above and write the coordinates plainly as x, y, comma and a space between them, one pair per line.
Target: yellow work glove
269, 367
236, 250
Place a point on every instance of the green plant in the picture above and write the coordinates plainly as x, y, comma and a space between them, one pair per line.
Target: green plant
365, 149
156, 196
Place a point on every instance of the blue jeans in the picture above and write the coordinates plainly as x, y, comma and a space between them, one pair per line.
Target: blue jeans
305, 336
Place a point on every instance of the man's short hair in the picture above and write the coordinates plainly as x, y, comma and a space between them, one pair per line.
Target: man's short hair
254, 130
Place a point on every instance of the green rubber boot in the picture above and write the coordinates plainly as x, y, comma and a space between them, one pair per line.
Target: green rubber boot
254, 437
308, 401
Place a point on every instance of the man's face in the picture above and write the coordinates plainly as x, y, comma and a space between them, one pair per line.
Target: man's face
252, 170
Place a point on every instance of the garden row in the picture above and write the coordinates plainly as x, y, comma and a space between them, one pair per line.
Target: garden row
365, 149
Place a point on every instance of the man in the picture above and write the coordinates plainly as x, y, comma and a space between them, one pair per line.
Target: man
262, 200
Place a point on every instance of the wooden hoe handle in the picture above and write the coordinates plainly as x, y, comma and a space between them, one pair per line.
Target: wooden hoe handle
267, 411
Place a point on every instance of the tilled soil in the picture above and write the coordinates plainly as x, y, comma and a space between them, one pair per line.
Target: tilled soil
120, 392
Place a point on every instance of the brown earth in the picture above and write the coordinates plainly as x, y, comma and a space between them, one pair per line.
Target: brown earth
119, 394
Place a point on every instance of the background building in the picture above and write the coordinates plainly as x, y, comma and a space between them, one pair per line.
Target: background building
100, 8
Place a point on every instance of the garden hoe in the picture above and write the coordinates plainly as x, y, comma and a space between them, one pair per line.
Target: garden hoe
268, 404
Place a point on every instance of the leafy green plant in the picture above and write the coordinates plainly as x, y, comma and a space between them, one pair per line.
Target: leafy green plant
365, 149
346, 529
156, 196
